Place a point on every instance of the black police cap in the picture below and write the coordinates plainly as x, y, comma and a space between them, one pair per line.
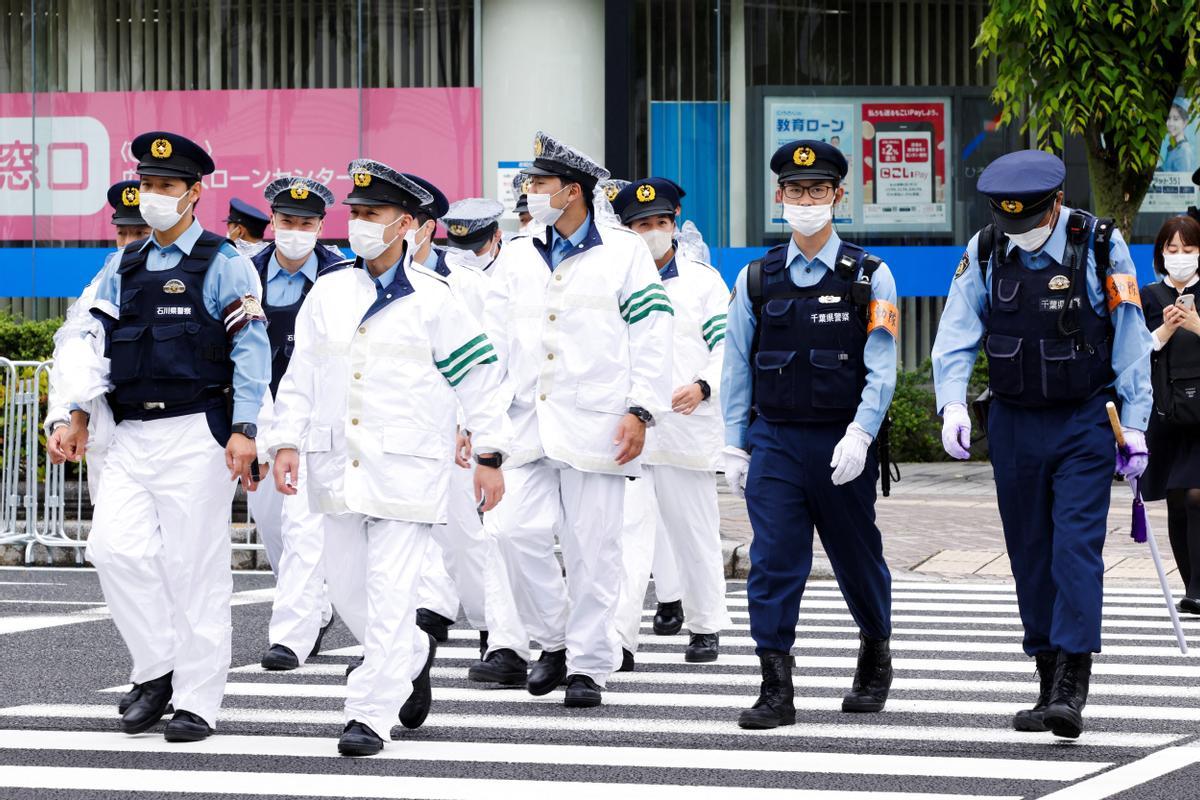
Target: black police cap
247, 216
1021, 187
377, 184
169, 155
300, 197
648, 197
808, 159
125, 200
436, 207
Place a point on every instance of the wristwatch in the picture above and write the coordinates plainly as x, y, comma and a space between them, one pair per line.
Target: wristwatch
645, 416
247, 429
705, 389
493, 460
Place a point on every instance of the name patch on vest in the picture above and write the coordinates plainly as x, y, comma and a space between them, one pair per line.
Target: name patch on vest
174, 311
832, 316
1058, 303
882, 314
1121, 288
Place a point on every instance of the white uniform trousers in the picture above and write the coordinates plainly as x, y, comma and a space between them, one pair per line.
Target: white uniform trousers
665, 568
584, 509
160, 545
372, 568
640, 521
294, 540
435, 588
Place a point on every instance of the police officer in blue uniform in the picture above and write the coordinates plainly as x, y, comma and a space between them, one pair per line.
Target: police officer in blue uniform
245, 223
1055, 304
810, 368
188, 361
127, 215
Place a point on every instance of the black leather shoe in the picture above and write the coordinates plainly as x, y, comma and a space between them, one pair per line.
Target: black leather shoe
359, 740
627, 662
434, 624
1029, 720
316, 648
416, 707
354, 663
503, 667
145, 712
483, 639
775, 705
872, 678
548, 673
128, 698
186, 727
1064, 715
279, 658
668, 619
582, 692
1188, 605
702, 648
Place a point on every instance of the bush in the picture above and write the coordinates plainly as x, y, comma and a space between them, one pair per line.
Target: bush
27, 340
916, 427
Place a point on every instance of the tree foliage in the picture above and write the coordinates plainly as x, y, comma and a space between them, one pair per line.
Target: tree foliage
1104, 70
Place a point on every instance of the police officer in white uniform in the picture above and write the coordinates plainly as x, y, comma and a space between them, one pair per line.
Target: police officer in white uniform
292, 535
384, 353
683, 449
186, 337
583, 324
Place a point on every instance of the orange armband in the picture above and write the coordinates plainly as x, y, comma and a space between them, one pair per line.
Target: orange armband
882, 314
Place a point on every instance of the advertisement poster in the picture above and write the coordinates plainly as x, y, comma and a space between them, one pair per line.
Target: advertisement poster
898, 153
58, 165
1171, 190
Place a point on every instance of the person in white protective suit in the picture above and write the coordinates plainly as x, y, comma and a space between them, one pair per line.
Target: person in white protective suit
292, 535
187, 358
683, 450
384, 354
584, 326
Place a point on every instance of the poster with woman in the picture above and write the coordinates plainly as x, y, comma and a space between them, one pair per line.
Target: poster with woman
1171, 190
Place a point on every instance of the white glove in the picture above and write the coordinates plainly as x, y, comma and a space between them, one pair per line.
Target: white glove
956, 430
850, 455
737, 464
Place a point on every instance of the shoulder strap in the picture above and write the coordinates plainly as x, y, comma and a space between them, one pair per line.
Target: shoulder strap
203, 252
132, 257
1101, 241
754, 286
985, 244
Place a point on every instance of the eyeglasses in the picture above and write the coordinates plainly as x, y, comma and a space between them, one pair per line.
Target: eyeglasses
794, 191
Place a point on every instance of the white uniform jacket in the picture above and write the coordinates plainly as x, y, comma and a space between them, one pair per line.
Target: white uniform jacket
582, 343
700, 299
372, 389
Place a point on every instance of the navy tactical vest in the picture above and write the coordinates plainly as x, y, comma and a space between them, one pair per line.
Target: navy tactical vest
169, 357
1046, 344
809, 342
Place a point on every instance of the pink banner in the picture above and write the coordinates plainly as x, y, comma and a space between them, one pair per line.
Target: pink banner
60, 163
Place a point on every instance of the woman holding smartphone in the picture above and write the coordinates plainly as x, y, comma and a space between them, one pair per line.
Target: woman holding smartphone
1173, 437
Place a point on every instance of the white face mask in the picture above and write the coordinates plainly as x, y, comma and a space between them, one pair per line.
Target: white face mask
807, 220
1181, 266
159, 210
410, 237
472, 259
295, 244
366, 238
1031, 241
659, 241
540, 208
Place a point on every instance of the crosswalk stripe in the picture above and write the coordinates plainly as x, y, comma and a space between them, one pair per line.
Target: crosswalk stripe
386, 787
949, 619
976, 597
1129, 776
857, 730
589, 755
1151, 610
982, 587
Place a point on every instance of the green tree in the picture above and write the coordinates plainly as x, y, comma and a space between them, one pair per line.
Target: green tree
1104, 70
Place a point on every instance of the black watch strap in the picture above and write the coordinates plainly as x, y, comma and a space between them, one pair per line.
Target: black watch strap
493, 460
705, 389
642, 414
247, 429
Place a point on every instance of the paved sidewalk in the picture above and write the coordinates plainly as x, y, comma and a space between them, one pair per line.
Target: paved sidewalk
942, 522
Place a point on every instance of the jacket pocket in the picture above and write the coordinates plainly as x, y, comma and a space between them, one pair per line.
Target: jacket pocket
606, 398
1005, 371
1008, 295
775, 378
834, 379
126, 353
778, 312
318, 440
1064, 373
416, 442
129, 306
173, 356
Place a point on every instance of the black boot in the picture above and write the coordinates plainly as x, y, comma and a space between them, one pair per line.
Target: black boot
702, 648
582, 692
354, 663
1029, 720
128, 698
186, 727
872, 678
416, 707
483, 639
359, 740
434, 624
627, 661
145, 712
1064, 715
548, 673
668, 619
503, 667
774, 706
280, 658
1188, 605
316, 648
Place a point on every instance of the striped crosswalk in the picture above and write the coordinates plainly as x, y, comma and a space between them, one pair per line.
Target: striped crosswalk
668, 730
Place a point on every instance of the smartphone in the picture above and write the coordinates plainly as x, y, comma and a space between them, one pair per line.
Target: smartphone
904, 165
1187, 301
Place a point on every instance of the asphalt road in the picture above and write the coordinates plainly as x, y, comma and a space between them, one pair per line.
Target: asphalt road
667, 730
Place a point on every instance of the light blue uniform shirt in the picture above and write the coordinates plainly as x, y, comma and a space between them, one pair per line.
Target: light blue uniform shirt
387, 277
284, 288
962, 328
557, 253
230, 278
737, 376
